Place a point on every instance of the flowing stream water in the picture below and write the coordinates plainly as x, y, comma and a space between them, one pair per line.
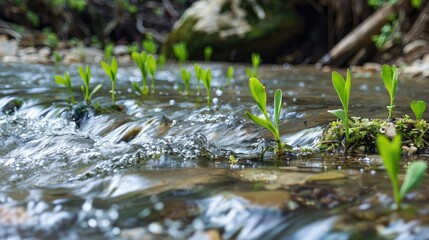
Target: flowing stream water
160, 168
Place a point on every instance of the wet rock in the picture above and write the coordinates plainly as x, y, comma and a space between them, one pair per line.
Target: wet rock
10, 59
79, 113
130, 134
11, 106
88, 54
235, 27
8, 48
27, 51
327, 176
415, 46
34, 58
372, 67
44, 52
255, 175
270, 199
120, 50
70, 58
14, 216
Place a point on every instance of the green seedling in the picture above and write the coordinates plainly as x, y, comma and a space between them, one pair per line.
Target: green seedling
140, 59
186, 77
86, 78
161, 60
389, 74
256, 62
65, 81
149, 45
208, 51
57, 60
197, 69
206, 77
418, 107
180, 51
151, 67
390, 152
343, 90
111, 71
257, 89
108, 52
229, 75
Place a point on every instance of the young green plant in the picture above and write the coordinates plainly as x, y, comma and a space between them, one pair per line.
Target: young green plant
257, 89
65, 81
197, 69
389, 74
208, 51
390, 152
86, 78
151, 67
108, 52
229, 75
111, 71
140, 60
418, 107
256, 62
342, 87
149, 45
186, 77
181, 52
206, 77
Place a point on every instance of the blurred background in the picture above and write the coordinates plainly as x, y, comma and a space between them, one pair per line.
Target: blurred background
338, 33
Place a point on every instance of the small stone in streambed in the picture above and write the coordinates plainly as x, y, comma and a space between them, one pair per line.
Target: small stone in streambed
327, 176
270, 199
130, 134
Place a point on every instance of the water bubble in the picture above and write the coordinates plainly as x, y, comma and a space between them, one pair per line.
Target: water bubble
215, 100
363, 87
92, 223
172, 102
373, 172
159, 206
301, 84
155, 228
219, 92
87, 206
116, 231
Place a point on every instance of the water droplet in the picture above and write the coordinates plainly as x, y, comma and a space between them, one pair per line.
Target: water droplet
215, 100
219, 92
155, 228
301, 84
172, 102
92, 223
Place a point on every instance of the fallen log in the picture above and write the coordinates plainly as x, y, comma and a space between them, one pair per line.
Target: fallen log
359, 37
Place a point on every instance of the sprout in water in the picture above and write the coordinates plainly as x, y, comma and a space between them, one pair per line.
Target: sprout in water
149, 45
208, 51
257, 89
186, 77
111, 71
108, 52
390, 152
65, 81
256, 62
140, 60
342, 87
151, 66
180, 52
389, 74
206, 77
85, 88
418, 107
229, 75
197, 69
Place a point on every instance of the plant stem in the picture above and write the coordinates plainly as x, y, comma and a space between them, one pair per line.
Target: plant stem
390, 108
113, 94
346, 126
396, 194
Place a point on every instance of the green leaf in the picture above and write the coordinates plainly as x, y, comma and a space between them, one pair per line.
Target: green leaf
390, 152
339, 113
277, 107
106, 68
230, 72
82, 74
418, 107
389, 76
262, 122
114, 67
60, 80
347, 89
414, 177
95, 90
257, 89
207, 80
151, 63
136, 87
339, 85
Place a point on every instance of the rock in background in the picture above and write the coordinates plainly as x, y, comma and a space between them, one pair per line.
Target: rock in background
236, 28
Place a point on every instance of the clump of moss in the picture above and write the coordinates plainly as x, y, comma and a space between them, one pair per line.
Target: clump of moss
364, 131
